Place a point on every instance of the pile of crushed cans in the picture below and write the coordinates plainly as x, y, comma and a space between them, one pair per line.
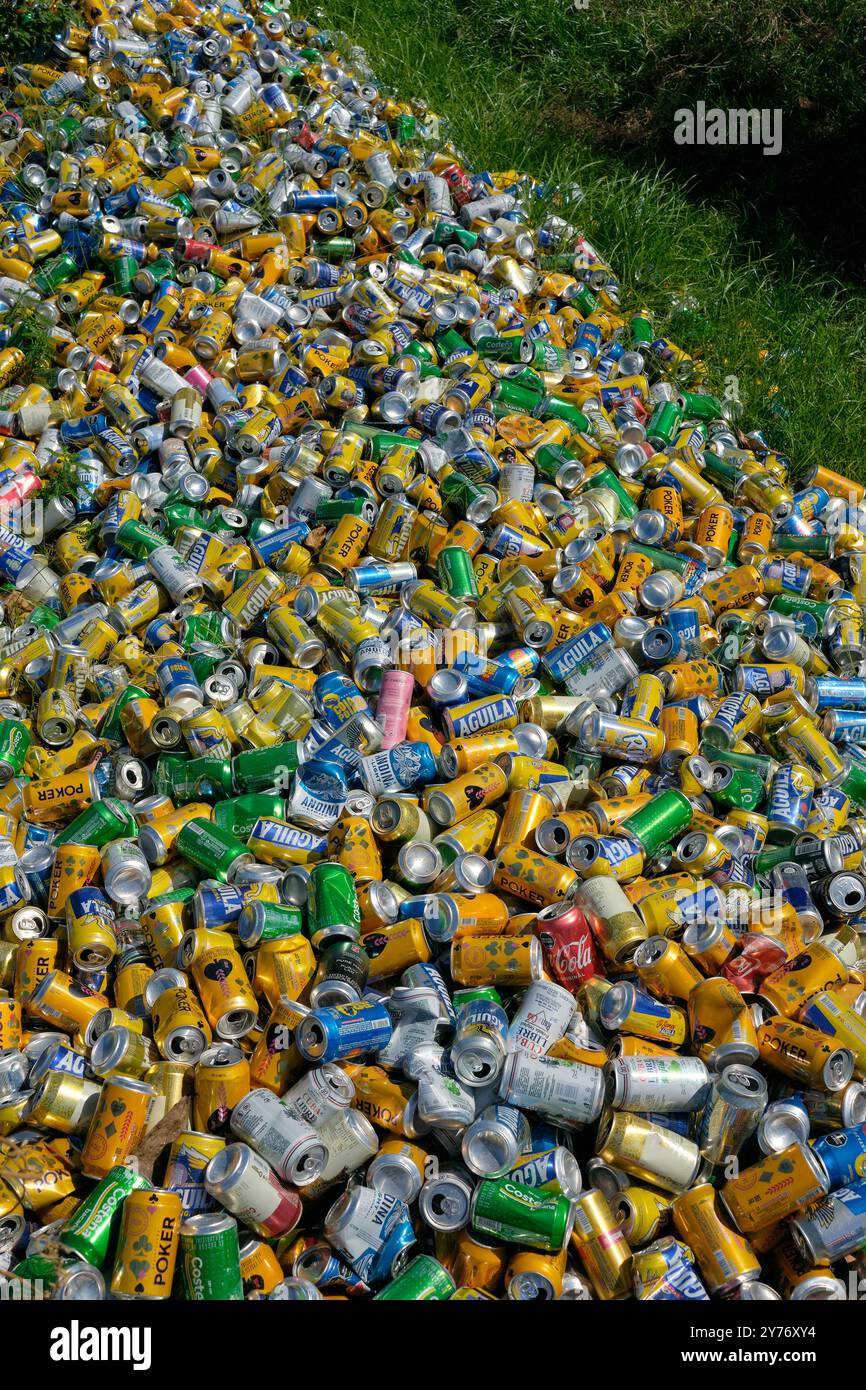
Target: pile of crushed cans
432, 730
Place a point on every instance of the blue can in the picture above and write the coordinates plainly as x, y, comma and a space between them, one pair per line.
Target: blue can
423, 976
843, 1154
839, 692
337, 698
346, 1030
789, 802
563, 659
684, 624
176, 677
60, 1057
845, 725
484, 675
217, 904
397, 769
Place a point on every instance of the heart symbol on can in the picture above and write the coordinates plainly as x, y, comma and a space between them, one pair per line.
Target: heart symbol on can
117, 1107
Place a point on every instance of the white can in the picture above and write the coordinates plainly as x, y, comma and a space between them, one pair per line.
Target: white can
570, 1092
291, 1146
542, 1018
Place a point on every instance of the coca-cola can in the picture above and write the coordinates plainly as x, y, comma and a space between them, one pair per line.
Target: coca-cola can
759, 957
568, 945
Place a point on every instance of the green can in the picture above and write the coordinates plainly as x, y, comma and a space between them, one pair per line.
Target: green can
192, 779
853, 784
90, 1230
794, 603
333, 904
700, 405
759, 764
14, 745
554, 461
664, 423
99, 824
335, 507
210, 1260
456, 575
641, 327
335, 248
265, 769
110, 726
663, 818
511, 349
488, 993
55, 273
125, 271
43, 617
605, 477
476, 504
268, 922
552, 408
423, 1279
516, 396
239, 813
513, 1212
138, 539
737, 787
405, 128
212, 849
444, 233
662, 559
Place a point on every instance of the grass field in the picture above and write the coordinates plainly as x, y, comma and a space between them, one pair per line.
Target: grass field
793, 338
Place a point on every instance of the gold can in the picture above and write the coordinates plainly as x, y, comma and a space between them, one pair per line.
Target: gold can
725, 1259
773, 1189
601, 1246
75, 866
117, 1126
147, 1245
275, 1061
225, 993
64, 1103
497, 960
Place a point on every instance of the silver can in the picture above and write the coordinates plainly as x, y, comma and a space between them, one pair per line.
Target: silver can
542, 1018
732, 1112
657, 1084
126, 873
572, 1094
291, 1146
319, 1095
492, 1144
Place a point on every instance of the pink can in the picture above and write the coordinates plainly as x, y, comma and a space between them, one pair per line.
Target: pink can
395, 701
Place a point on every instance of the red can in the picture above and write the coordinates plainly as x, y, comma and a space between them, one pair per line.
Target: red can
568, 945
760, 956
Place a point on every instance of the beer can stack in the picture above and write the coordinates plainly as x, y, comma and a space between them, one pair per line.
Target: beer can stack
432, 724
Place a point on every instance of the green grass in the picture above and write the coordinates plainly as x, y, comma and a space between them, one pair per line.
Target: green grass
791, 336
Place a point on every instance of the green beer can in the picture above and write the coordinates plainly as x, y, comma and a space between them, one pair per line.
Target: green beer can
333, 904
212, 849
513, 1212
423, 1279
210, 1259
89, 1231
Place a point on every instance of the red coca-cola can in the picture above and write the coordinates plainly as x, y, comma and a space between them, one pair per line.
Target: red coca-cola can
759, 957
568, 945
